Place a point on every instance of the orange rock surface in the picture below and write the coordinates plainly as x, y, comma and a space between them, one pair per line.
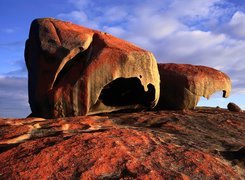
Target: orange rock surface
206, 143
71, 70
182, 85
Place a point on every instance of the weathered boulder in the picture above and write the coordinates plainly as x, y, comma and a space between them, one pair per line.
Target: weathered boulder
206, 143
73, 70
233, 107
182, 85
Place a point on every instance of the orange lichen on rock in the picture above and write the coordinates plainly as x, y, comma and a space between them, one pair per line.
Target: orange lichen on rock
73, 70
139, 145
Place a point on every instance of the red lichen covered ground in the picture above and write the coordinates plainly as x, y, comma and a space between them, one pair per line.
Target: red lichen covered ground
204, 143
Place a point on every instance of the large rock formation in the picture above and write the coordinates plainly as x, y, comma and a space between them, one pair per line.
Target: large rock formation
200, 144
182, 85
73, 70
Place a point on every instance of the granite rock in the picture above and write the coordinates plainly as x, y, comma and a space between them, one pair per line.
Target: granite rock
205, 143
73, 70
182, 85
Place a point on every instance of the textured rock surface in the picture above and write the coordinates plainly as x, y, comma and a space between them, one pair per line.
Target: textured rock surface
234, 107
182, 85
72, 69
200, 144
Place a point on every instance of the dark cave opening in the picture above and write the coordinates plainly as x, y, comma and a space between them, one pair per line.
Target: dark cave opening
127, 91
224, 94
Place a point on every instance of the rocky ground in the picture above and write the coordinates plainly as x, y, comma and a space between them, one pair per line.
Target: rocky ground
205, 143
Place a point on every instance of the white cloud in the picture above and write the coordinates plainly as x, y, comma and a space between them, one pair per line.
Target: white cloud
192, 8
237, 25
13, 97
153, 26
80, 3
114, 14
187, 43
78, 17
8, 30
114, 30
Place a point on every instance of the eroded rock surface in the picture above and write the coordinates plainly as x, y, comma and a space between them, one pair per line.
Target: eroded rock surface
201, 144
73, 70
182, 85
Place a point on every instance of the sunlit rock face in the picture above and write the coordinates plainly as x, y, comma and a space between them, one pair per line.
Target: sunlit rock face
74, 70
182, 85
207, 143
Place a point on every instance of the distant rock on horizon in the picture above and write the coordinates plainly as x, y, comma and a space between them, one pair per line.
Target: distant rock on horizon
233, 107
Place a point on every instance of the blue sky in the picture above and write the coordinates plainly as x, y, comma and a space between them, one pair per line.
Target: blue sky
204, 32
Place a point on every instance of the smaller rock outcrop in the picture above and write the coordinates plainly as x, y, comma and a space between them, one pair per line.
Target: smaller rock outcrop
182, 85
234, 107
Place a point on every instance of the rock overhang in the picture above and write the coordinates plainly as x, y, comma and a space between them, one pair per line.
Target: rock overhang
70, 65
182, 85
